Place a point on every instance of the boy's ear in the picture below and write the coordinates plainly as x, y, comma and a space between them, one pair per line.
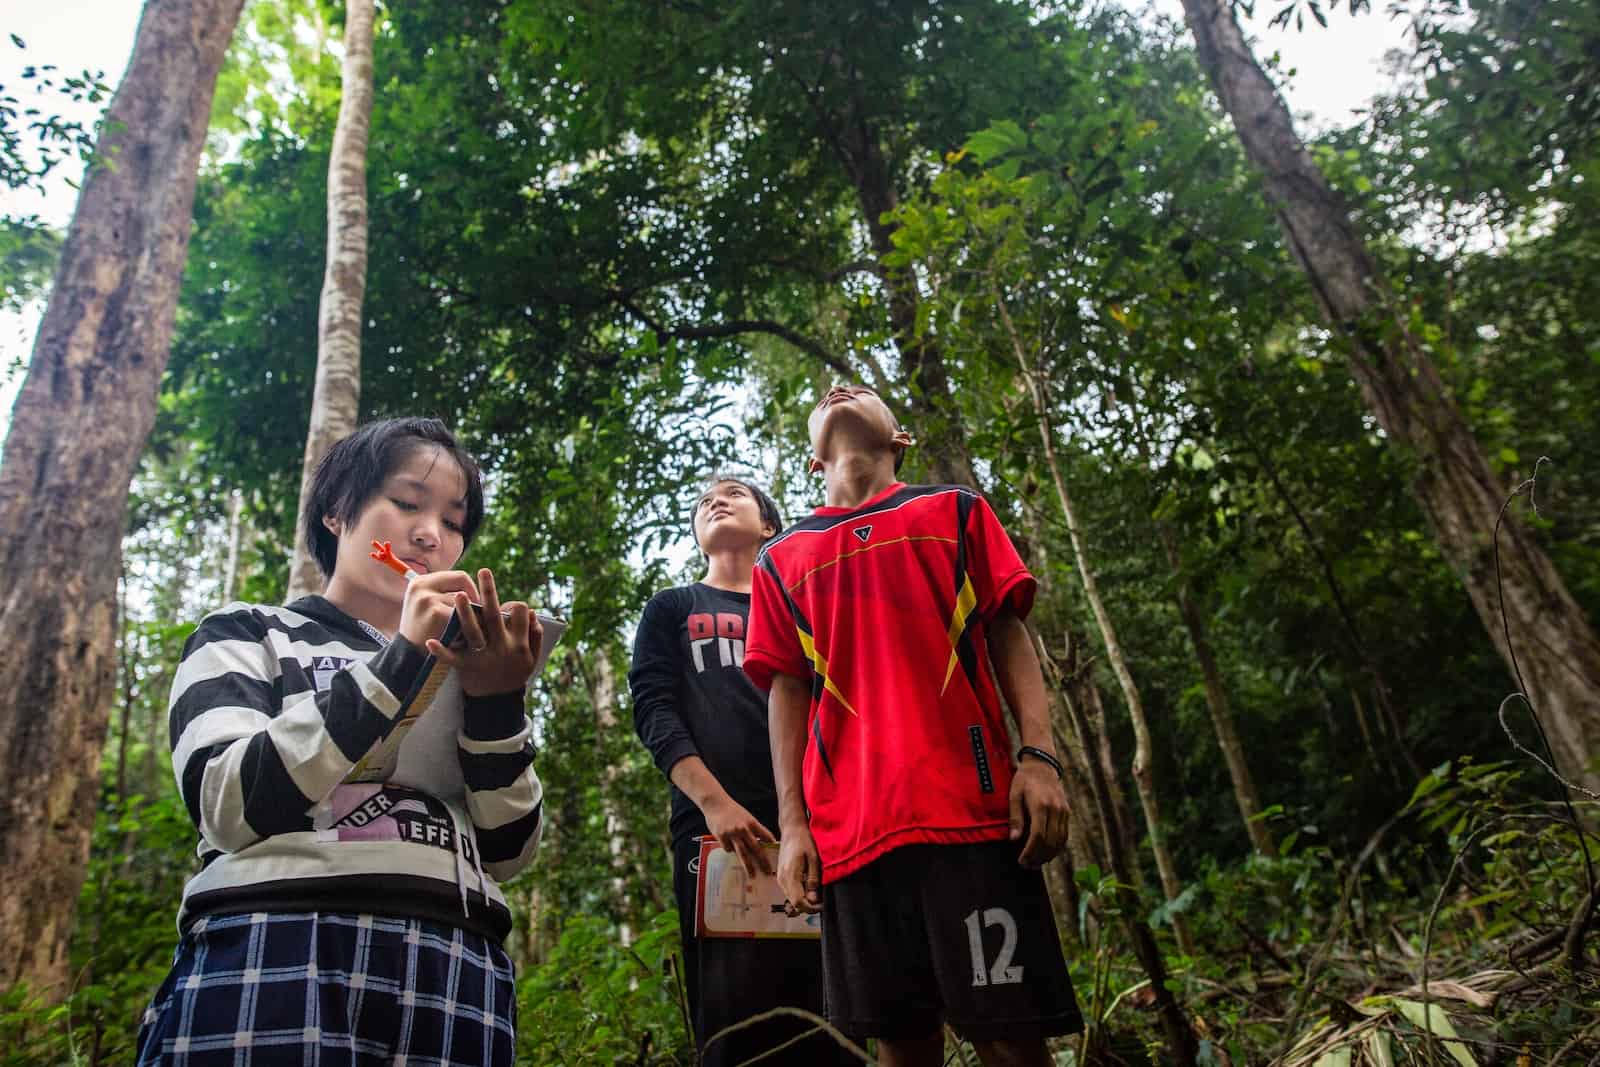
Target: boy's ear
902, 438
333, 524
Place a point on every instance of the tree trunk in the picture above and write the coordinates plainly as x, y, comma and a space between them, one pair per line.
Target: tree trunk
1367, 662
1171, 885
943, 436
1181, 1041
1244, 784
78, 427
336, 397
1084, 847
1555, 644
230, 566
125, 657
1095, 709
603, 699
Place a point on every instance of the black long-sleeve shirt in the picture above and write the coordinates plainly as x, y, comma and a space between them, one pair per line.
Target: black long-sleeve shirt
691, 698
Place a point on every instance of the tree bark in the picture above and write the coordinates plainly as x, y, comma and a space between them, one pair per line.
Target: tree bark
1181, 1041
230, 566
77, 430
1171, 885
1084, 847
602, 687
125, 663
1555, 644
1221, 708
944, 440
336, 397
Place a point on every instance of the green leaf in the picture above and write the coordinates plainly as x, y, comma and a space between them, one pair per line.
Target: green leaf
1432, 1019
998, 140
1378, 1050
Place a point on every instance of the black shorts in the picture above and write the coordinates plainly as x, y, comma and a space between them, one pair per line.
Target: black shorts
945, 933
731, 979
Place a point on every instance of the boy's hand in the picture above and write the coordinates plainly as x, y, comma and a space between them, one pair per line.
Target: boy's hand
800, 871
736, 830
498, 651
429, 600
1039, 811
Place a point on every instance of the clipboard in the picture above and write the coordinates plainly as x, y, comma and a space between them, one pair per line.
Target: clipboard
728, 904
420, 751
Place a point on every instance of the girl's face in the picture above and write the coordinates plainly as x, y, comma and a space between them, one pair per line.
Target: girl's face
728, 516
420, 509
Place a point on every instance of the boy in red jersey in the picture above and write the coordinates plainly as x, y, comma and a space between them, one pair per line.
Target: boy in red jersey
902, 816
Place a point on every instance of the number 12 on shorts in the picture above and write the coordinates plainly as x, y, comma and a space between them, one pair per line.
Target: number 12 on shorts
1001, 973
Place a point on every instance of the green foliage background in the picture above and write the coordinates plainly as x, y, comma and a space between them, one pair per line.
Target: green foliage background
619, 245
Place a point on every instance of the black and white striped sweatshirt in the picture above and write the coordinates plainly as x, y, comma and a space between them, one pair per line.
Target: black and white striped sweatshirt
270, 709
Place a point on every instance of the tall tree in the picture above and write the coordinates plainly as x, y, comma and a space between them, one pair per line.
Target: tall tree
1552, 639
1223, 721
80, 422
1143, 777
336, 397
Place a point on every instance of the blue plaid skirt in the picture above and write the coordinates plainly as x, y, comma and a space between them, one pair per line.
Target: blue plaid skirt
332, 990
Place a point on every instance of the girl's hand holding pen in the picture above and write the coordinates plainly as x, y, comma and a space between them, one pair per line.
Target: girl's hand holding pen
429, 600
501, 643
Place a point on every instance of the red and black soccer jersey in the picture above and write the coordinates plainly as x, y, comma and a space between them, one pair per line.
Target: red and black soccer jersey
883, 608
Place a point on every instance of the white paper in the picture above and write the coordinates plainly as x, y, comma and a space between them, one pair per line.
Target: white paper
428, 743
734, 905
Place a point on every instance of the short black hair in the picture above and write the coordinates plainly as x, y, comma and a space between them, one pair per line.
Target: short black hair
770, 515
355, 468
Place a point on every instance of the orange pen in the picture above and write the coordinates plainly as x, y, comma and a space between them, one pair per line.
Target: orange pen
384, 554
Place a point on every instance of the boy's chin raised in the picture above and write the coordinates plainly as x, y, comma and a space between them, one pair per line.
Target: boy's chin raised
857, 437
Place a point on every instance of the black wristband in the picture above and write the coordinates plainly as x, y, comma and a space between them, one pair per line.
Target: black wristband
1041, 754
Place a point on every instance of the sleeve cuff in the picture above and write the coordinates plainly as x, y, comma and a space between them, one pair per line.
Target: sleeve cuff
668, 757
759, 667
1015, 593
493, 718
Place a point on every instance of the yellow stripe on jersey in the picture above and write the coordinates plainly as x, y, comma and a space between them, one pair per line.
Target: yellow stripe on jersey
820, 665
966, 600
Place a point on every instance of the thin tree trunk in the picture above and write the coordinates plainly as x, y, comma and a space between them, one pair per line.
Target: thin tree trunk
336, 397
171, 603
1555, 644
230, 568
1361, 724
1095, 709
125, 655
1171, 885
1181, 1041
78, 427
1364, 658
603, 699
1084, 847
1222, 720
